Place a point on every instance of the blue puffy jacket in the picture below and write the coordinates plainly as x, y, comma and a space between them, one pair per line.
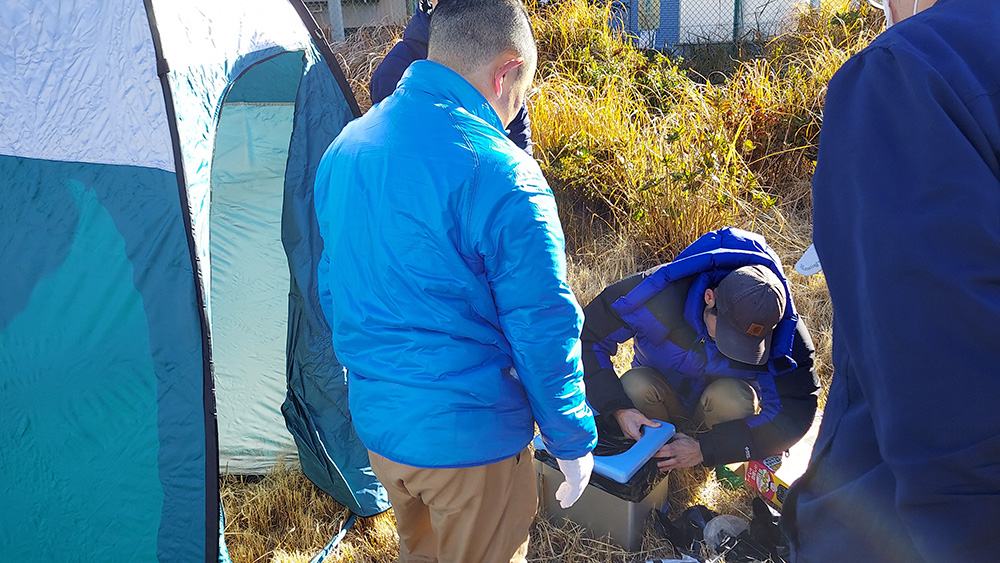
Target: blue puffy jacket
906, 467
413, 47
443, 268
661, 310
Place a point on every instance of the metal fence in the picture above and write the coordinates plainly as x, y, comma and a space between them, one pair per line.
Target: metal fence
668, 24
656, 24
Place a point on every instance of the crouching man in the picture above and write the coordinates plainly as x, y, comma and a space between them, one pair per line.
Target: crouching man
718, 348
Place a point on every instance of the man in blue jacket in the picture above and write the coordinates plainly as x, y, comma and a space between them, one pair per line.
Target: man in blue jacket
718, 347
413, 47
906, 466
443, 277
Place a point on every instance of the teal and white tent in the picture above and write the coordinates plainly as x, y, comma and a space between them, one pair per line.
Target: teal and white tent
158, 254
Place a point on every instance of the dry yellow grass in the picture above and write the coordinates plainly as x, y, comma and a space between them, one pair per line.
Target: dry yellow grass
642, 160
360, 54
284, 518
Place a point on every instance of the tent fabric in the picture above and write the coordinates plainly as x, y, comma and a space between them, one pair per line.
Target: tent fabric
118, 123
100, 366
203, 56
47, 114
316, 412
323, 105
274, 81
250, 275
250, 286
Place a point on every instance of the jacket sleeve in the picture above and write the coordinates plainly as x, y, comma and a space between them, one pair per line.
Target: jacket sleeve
603, 331
386, 76
787, 409
524, 258
519, 131
907, 228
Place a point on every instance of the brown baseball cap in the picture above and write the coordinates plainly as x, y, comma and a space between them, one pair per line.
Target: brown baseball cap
750, 302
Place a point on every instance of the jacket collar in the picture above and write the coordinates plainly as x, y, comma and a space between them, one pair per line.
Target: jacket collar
442, 83
419, 28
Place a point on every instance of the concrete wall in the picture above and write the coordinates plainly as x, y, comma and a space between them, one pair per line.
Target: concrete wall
391, 12
358, 14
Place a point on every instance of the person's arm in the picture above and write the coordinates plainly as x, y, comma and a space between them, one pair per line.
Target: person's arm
603, 331
907, 227
387, 74
519, 130
787, 409
523, 254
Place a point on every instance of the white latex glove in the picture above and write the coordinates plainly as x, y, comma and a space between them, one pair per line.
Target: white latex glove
577, 474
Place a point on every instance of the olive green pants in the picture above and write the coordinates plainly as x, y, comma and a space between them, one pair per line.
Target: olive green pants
723, 400
461, 515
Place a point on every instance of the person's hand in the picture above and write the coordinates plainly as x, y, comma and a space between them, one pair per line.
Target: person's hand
681, 451
577, 474
631, 422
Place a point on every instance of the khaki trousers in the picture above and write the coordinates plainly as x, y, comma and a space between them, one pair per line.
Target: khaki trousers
723, 400
465, 515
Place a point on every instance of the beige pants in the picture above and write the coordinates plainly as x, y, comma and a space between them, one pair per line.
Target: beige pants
723, 400
473, 514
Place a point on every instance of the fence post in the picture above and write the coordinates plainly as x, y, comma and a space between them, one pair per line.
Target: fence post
334, 8
668, 33
737, 20
633, 19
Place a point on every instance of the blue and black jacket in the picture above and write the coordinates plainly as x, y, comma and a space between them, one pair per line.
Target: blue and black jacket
413, 47
661, 310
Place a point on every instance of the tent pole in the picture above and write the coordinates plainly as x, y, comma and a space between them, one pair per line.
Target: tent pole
325, 552
212, 500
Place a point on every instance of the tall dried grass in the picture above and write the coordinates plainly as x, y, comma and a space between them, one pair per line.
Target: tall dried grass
643, 160
637, 148
360, 54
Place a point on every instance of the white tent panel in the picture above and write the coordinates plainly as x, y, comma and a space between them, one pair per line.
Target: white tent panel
67, 93
250, 286
206, 47
197, 33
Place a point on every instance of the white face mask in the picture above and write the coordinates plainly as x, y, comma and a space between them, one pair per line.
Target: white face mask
888, 14
884, 4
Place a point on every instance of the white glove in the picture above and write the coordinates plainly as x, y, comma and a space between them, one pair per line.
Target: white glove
577, 473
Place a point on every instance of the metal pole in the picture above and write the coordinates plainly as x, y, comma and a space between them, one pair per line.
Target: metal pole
336, 12
737, 20
325, 552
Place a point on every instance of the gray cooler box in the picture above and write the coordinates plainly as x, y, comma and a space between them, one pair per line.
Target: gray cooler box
624, 489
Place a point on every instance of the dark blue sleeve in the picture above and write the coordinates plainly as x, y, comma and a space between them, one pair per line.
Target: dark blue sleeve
907, 227
389, 71
603, 331
519, 130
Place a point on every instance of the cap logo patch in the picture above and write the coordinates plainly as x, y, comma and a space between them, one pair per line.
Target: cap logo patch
755, 329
